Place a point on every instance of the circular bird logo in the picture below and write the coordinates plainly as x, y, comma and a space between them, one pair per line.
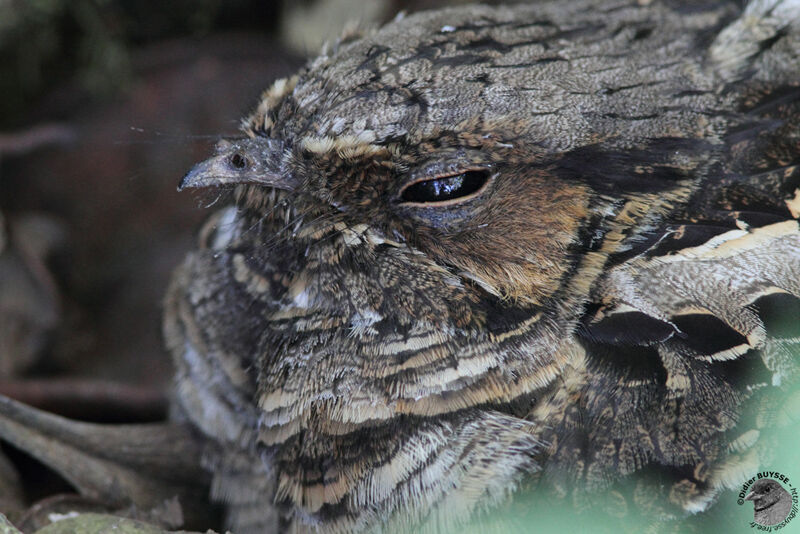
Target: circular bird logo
771, 502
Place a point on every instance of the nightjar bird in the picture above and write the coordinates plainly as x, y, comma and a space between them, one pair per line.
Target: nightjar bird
480, 248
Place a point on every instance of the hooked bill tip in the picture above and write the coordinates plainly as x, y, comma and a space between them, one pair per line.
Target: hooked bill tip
193, 178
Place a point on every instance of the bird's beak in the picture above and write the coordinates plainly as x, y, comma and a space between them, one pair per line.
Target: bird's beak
248, 161
206, 174
750, 496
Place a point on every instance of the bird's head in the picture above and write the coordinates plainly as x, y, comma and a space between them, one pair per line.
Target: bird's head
764, 493
455, 193
486, 149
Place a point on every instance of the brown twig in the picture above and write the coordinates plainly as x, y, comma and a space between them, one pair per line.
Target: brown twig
36, 137
90, 400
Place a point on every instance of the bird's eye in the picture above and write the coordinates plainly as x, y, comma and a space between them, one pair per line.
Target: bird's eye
238, 161
445, 188
767, 489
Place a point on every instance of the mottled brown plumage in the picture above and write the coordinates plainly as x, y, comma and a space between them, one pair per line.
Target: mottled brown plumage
487, 246
361, 356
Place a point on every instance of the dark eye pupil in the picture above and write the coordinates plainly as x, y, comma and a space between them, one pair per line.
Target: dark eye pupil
446, 188
238, 161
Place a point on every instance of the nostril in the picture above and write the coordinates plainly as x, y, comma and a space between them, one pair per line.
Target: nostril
238, 161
